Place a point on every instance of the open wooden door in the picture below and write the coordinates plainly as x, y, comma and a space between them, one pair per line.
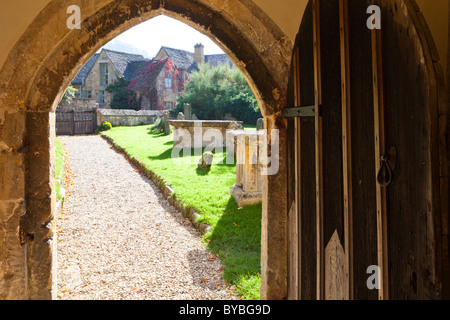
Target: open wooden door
368, 187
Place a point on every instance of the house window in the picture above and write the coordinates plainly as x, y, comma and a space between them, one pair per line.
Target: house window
168, 82
86, 94
103, 74
168, 105
101, 97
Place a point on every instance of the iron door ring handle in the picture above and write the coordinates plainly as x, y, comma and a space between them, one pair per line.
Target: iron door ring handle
388, 179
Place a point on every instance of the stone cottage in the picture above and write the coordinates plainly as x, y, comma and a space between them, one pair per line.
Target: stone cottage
157, 82
170, 71
101, 70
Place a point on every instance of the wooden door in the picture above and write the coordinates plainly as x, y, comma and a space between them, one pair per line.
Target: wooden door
64, 123
365, 170
84, 122
70, 122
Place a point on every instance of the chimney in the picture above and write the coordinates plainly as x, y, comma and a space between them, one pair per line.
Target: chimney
199, 56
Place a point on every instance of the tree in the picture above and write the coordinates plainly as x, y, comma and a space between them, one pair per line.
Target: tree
68, 96
210, 91
243, 107
123, 98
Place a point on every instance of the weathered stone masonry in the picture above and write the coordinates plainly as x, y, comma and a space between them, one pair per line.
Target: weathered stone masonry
41, 66
41, 58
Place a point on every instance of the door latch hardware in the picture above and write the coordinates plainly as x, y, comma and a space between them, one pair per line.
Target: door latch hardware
384, 180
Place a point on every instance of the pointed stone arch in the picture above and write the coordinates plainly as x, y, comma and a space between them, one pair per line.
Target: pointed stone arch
50, 53
44, 61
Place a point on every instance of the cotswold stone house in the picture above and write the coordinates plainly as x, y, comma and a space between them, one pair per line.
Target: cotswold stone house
101, 70
157, 82
167, 74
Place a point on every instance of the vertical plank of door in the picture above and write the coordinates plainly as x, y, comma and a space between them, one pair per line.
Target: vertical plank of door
294, 220
346, 144
298, 198
318, 152
72, 122
380, 147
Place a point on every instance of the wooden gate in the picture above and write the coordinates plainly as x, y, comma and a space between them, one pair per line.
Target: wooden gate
367, 161
70, 122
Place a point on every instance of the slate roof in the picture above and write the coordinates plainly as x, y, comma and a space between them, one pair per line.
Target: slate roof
218, 59
121, 60
133, 69
82, 74
147, 74
128, 65
181, 59
185, 60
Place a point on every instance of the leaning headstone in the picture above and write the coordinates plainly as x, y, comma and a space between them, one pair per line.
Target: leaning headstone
180, 116
260, 124
235, 126
206, 161
187, 111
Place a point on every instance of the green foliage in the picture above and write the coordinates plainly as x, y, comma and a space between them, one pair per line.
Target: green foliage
211, 89
105, 126
243, 107
123, 98
68, 95
59, 169
157, 126
174, 112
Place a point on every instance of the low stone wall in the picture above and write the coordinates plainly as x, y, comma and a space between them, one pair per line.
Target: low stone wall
121, 117
212, 133
78, 105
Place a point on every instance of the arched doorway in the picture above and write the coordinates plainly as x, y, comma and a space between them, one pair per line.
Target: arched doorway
48, 56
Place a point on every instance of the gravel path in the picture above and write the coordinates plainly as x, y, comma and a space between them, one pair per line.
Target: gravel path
120, 239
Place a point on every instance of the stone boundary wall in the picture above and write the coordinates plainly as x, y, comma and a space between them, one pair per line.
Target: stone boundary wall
122, 117
78, 104
187, 211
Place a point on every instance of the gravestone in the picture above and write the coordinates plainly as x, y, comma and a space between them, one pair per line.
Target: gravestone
206, 161
235, 126
187, 111
260, 124
166, 122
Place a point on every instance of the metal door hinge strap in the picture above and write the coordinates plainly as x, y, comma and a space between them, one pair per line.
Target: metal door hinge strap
308, 111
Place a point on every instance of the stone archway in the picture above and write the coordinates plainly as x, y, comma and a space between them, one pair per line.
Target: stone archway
40, 67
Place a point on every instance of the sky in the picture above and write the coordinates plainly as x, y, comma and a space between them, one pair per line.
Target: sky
148, 37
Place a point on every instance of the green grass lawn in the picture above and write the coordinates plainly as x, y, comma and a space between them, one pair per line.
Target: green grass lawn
59, 167
235, 234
